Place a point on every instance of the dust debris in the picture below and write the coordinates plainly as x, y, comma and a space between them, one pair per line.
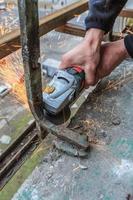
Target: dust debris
83, 167
116, 84
116, 121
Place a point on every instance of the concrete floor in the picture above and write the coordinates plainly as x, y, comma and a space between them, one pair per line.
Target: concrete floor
107, 173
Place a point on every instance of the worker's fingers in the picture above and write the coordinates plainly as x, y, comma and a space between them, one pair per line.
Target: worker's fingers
66, 61
90, 73
99, 73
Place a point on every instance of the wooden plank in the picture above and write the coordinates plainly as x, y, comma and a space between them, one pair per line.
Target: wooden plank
11, 42
61, 17
127, 13
72, 30
80, 31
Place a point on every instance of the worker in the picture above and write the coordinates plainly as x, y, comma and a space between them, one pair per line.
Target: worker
99, 59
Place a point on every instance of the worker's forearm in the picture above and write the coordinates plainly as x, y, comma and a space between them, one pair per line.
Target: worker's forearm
102, 13
93, 38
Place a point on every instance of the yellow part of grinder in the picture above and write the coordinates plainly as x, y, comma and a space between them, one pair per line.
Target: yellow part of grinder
49, 89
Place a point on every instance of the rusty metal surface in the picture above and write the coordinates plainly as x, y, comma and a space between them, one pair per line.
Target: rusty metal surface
67, 135
29, 23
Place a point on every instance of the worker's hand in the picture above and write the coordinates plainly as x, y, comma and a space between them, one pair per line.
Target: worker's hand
112, 54
87, 54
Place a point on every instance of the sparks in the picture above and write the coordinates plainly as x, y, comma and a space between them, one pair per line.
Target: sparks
11, 72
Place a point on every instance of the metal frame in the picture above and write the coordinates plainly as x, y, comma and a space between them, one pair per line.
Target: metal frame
29, 25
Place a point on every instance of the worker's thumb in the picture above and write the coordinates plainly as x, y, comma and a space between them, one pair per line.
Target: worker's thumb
90, 75
65, 62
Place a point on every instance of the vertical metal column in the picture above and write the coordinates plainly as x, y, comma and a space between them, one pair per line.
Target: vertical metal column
29, 24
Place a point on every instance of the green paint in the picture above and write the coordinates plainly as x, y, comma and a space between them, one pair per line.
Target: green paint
17, 125
107, 198
13, 185
97, 172
122, 148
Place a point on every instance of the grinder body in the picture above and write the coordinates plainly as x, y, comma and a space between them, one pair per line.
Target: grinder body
63, 89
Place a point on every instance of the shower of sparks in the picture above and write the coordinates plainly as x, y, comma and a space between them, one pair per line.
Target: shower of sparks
11, 72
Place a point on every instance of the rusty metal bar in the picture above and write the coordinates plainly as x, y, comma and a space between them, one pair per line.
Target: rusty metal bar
66, 134
29, 24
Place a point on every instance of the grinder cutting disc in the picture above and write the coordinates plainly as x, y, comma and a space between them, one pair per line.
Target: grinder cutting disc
59, 118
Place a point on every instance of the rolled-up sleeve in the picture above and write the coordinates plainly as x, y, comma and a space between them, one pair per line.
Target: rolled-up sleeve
102, 13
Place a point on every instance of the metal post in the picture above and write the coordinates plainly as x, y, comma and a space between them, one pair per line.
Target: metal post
29, 24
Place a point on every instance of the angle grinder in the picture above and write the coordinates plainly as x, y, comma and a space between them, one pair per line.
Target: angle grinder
61, 92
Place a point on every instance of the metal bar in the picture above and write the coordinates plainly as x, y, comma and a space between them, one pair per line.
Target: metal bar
66, 134
29, 24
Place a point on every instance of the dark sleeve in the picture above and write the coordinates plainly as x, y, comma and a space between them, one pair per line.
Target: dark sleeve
102, 13
128, 40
